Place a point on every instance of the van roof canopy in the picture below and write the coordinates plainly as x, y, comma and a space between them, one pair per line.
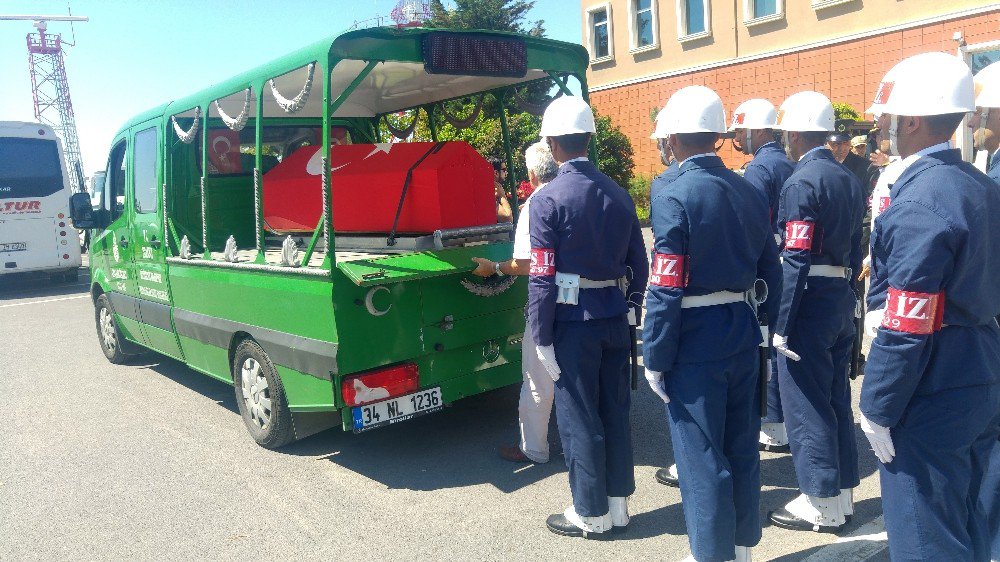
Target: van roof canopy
394, 69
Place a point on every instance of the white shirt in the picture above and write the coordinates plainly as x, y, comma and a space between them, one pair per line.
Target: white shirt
522, 236
920, 154
880, 195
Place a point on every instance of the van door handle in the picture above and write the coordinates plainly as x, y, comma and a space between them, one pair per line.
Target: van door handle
123, 242
154, 242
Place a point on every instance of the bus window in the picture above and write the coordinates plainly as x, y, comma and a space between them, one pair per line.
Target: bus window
144, 170
29, 168
115, 188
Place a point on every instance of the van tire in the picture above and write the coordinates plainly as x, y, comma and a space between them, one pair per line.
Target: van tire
108, 334
260, 396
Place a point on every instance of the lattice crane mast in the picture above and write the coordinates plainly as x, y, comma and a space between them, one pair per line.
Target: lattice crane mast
50, 88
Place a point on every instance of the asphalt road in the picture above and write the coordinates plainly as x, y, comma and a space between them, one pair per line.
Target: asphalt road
151, 460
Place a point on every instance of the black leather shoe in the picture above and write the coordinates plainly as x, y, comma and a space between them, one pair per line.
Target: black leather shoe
664, 477
783, 518
558, 524
774, 448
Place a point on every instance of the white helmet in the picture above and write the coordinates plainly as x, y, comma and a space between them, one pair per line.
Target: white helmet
806, 111
692, 109
567, 115
754, 114
987, 85
926, 84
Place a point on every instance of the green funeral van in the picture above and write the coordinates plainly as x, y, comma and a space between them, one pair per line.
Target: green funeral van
279, 232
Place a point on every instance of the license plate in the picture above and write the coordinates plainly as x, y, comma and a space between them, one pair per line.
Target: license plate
13, 247
397, 409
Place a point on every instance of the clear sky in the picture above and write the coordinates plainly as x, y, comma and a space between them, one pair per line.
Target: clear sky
133, 55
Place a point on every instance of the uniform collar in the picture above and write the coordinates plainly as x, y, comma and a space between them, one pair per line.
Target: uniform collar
994, 160
767, 146
702, 155
577, 159
707, 160
909, 160
933, 158
573, 165
819, 153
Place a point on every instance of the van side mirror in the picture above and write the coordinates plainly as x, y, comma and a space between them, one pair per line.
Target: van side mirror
81, 212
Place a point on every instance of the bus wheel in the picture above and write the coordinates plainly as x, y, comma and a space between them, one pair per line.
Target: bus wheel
260, 397
107, 331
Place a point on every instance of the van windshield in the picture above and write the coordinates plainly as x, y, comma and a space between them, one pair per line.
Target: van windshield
29, 168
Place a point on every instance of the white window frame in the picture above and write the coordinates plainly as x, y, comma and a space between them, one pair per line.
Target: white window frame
820, 4
682, 35
590, 33
750, 20
633, 28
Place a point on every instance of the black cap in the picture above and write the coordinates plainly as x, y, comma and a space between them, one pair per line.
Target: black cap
838, 137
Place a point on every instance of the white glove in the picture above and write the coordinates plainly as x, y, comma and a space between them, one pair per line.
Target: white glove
780, 344
880, 438
655, 380
547, 355
873, 319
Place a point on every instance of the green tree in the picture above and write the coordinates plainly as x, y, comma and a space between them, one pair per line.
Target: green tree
496, 15
844, 111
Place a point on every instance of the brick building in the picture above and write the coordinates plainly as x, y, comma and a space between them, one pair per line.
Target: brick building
644, 50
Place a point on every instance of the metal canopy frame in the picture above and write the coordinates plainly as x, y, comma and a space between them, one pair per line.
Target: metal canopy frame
554, 61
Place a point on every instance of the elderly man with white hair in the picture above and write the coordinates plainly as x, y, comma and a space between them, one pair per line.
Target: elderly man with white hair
535, 405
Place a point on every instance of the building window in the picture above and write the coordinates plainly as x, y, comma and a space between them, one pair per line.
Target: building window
644, 32
762, 11
600, 34
694, 19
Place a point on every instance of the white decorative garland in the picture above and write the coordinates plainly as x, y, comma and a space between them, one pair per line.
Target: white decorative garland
256, 207
240, 121
188, 136
298, 102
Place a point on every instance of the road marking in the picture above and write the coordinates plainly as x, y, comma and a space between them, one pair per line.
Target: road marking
866, 541
43, 301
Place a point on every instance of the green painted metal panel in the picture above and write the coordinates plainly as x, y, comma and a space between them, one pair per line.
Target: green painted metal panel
306, 393
206, 359
420, 265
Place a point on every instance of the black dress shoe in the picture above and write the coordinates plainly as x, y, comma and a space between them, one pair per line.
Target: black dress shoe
774, 448
558, 524
785, 519
664, 477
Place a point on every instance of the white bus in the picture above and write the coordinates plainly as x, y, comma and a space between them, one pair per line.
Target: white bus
35, 230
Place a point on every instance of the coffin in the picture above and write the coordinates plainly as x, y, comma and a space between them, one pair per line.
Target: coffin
450, 186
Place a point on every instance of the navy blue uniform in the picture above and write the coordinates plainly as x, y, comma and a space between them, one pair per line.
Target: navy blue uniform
768, 172
991, 484
664, 179
712, 235
584, 223
933, 373
820, 216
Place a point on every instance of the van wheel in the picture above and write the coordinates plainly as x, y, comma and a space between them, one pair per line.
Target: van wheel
108, 333
260, 397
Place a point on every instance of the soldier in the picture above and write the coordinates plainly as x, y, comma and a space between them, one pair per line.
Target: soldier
753, 123
701, 340
820, 214
986, 134
585, 245
930, 402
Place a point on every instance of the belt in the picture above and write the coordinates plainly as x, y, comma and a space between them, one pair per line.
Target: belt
829, 271
712, 299
591, 284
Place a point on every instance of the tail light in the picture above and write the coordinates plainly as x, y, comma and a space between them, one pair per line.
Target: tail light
380, 384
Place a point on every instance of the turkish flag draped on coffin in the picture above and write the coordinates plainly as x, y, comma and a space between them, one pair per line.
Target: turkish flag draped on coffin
451, 187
